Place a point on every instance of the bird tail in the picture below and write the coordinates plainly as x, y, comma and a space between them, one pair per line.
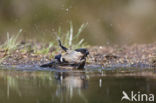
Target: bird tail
60, 44
62, 47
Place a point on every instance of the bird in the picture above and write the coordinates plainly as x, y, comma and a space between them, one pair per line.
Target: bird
71, 59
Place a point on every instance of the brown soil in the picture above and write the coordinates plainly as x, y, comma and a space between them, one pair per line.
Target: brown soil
103, 55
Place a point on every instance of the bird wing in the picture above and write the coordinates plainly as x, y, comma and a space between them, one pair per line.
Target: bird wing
72, 57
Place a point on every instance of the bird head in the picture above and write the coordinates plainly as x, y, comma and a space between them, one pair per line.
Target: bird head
84, 51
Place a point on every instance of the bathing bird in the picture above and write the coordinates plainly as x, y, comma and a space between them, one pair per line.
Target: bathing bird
70, 59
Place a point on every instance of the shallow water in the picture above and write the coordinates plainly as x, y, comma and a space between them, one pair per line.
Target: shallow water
45, 85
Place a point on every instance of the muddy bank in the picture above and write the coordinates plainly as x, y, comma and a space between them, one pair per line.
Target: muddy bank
134, 55
130, 55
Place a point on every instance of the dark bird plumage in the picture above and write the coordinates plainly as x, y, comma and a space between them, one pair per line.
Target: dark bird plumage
71, 59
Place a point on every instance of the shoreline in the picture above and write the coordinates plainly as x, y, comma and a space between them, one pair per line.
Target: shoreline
135, 54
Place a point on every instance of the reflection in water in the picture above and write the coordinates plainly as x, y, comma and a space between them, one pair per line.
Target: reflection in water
71, 83
12, 84
71, 87
72, 80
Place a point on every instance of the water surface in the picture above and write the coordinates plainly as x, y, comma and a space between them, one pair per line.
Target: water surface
87, 86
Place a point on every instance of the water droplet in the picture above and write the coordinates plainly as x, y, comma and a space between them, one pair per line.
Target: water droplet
67, 9
100, 82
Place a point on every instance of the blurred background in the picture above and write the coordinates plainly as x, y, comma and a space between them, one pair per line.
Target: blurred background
109, 21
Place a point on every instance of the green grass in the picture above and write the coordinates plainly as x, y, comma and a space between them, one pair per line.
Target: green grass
44, 50
70, 40
11, 43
